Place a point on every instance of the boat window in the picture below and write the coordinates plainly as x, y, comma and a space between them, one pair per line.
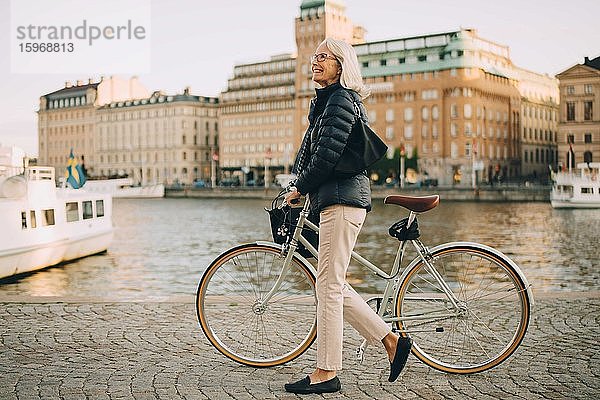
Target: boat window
72, 211
32, 218
87, 210
48, 217
23, 220
587, 190
99, 208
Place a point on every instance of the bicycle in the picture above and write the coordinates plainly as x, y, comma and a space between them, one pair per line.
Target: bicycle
465, 305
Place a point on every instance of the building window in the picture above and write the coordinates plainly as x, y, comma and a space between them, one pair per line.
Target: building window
389, 115
467, 149
587, 138
425, 113
453, 111
468, 129
424, 131
408, 131
99, 208
570, 139
453, 150
588, 111
72, 211
570, 89
570, 111
453, 129
587, 157
389, 132
408, 114
23, 220
468, 111
435, 113
587, 89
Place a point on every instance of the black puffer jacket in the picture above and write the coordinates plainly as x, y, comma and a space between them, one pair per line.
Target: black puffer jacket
323, 148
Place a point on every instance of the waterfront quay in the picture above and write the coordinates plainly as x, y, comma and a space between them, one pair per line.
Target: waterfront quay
90, 348
499, 193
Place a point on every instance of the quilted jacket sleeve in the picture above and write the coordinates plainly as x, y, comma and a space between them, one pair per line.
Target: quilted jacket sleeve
335, 127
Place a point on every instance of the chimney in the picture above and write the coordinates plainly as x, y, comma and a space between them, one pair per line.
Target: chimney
586, 60
67, 84
186, 91
79, 83
89, 81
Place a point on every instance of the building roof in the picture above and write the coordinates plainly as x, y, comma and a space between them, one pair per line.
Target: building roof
72, 90
595, 63
319, 3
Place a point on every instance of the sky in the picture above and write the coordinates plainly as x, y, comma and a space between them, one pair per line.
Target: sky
196, 43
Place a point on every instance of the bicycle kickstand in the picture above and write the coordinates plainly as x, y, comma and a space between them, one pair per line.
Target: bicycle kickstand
360, 351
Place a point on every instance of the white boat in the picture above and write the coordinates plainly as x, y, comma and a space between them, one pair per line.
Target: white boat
577, 189
124, 188
43, 225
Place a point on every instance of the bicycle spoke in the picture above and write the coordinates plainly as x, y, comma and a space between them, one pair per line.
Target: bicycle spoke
237, 321
484, 286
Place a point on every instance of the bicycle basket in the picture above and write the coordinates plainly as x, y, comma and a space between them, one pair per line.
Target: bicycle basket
399, 231
283, 221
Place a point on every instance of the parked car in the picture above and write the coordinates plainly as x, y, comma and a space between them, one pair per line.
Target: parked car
199, 184
227, 182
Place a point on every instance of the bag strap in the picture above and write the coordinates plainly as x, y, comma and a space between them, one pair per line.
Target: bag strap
357, 112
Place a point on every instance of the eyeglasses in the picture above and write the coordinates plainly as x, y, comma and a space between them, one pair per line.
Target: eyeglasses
321, 57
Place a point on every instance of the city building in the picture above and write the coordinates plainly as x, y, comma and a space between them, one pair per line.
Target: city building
579, 125
117, 128
67, 118
257, 120
160, 139
451, 100
539, 124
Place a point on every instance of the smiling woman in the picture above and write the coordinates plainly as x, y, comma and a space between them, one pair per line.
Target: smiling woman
341, 204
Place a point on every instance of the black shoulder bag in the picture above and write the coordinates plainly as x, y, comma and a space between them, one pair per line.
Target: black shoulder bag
364, 148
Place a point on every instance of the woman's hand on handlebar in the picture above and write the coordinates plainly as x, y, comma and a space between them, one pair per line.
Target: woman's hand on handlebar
292, 197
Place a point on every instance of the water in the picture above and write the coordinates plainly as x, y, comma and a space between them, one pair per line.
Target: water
161, 247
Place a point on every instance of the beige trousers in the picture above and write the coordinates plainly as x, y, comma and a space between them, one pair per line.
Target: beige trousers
336, 299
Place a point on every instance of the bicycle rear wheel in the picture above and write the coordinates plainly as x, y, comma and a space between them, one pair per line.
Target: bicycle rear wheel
231, 316
492, 317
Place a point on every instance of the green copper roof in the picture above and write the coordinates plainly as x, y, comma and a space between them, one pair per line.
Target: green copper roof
318, 3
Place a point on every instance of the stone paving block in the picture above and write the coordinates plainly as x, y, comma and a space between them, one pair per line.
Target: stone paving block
157, 350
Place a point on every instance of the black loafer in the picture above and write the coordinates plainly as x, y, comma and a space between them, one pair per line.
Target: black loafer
303, 386
402, 352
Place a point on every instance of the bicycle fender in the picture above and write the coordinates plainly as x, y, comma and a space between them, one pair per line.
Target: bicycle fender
303, 260
478, 246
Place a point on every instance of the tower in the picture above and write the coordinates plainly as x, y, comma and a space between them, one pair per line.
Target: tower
318, 19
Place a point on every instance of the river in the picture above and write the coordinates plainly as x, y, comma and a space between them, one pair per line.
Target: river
162, 246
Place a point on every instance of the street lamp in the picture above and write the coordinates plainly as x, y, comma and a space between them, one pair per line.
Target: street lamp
268, 156
401, 174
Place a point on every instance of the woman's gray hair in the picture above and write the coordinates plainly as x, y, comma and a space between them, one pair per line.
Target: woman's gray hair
351, 77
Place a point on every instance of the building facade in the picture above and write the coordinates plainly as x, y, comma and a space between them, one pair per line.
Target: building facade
160, 139
451, 100
579, 119
118, 129
67, 118
257, 119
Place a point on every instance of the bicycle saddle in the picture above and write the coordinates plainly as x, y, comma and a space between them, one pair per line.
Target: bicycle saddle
414, 203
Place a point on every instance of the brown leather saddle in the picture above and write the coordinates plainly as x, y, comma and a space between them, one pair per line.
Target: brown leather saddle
416, 204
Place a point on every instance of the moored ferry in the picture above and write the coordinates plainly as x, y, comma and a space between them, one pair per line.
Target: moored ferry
577, 189
43, 225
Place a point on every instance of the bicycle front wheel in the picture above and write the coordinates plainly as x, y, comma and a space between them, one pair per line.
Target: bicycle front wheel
488, 322
235, 320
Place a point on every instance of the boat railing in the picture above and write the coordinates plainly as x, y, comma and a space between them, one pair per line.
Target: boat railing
40, 173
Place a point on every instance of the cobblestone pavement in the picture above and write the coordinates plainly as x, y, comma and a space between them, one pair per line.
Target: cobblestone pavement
109, 350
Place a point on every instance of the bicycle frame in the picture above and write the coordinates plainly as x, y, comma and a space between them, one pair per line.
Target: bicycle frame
392, 278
